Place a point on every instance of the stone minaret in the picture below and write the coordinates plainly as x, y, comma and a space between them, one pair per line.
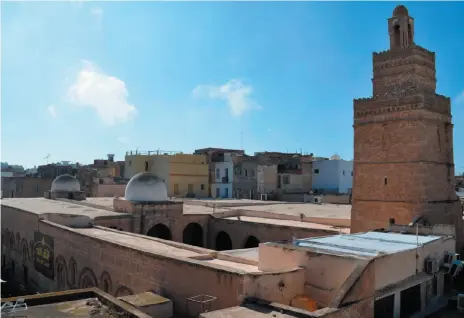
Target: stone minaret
403, 139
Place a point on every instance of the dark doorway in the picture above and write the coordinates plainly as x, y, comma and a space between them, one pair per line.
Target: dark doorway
251, 242
70, 196
223, 241
384, 308
160, 231
193, 234
410, 301
146, 165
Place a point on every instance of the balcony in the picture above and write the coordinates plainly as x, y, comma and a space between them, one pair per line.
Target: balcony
225, 179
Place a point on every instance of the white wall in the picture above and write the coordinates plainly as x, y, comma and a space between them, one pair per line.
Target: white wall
334, 175
346, 176
221, 170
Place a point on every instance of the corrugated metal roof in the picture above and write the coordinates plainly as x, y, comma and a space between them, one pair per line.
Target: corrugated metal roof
366, 244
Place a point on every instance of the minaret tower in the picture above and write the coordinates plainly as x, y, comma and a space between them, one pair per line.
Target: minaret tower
403, 139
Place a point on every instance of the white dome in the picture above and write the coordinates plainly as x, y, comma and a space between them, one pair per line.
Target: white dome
335, 157
66, 183
146, 187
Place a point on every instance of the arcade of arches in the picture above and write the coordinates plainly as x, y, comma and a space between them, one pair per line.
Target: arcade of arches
193, 234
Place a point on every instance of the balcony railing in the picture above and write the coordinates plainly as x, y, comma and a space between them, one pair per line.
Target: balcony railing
225, 179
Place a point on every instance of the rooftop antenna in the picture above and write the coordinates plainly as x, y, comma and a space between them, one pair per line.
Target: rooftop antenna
46, 157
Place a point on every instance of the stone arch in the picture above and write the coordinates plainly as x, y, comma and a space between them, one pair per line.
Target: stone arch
18, 241
72, 270
193, 234
223, 241
251, 242
24, 250
61, 272
123, 291
160, 231
87, 278
105, 282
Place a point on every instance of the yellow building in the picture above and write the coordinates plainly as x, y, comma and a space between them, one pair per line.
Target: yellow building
186, 175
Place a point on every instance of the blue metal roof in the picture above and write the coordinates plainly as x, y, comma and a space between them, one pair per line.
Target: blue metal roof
366, 244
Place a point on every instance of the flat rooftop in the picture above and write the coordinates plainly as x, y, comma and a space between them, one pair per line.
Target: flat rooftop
289, 223
370, 244
342, 211
47, 206
143, 243
80, 303
170, 248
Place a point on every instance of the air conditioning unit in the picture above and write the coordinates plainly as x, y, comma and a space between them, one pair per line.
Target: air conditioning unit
317, 199
431, 266
460, 302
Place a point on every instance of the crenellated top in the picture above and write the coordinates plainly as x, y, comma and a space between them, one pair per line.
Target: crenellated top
384, 56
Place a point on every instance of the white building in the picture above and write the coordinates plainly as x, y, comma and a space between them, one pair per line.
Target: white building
221, 186
332, 176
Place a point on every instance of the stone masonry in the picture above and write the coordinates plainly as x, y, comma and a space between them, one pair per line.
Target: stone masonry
403, 139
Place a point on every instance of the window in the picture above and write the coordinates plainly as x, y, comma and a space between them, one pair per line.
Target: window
146, 165
176, 189
218, 192
351, 173
36, 188
316, 171
130, 163
218, 173
343, 172
279, 181
252, 173
202, 187
286, 179
226, 172
246, 172
227, 192
385, 180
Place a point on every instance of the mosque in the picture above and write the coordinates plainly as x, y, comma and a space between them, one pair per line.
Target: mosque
244, 258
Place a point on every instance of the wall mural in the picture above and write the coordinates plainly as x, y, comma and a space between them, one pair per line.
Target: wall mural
44, 254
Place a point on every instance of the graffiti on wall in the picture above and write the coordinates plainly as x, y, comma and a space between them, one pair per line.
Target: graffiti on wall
43, 254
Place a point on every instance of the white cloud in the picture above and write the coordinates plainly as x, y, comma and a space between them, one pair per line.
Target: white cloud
97, 12
236, 95
123, 139
52, 111
106, 94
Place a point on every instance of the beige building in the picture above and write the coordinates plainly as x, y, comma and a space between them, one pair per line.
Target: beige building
185, 175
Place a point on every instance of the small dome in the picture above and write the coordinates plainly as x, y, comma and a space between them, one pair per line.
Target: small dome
335, 157
400, 11
66, 183
146, 187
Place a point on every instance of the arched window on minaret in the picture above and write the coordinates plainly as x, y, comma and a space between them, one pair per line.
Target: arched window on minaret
401, 28
397, 35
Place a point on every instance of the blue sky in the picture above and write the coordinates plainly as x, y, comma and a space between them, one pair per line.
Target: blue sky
83, 79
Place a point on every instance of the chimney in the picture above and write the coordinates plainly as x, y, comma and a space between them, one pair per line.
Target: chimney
111, 157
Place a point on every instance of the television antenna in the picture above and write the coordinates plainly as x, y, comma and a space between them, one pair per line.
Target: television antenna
46, 157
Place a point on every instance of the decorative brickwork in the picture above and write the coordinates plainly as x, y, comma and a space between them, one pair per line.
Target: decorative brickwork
403, 139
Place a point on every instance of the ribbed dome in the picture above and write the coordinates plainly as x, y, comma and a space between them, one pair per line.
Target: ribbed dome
400, 11
66, 183
146, 187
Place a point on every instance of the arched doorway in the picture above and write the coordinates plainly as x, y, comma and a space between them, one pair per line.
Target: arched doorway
223, 241
251, 242
160, 231
193, 235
